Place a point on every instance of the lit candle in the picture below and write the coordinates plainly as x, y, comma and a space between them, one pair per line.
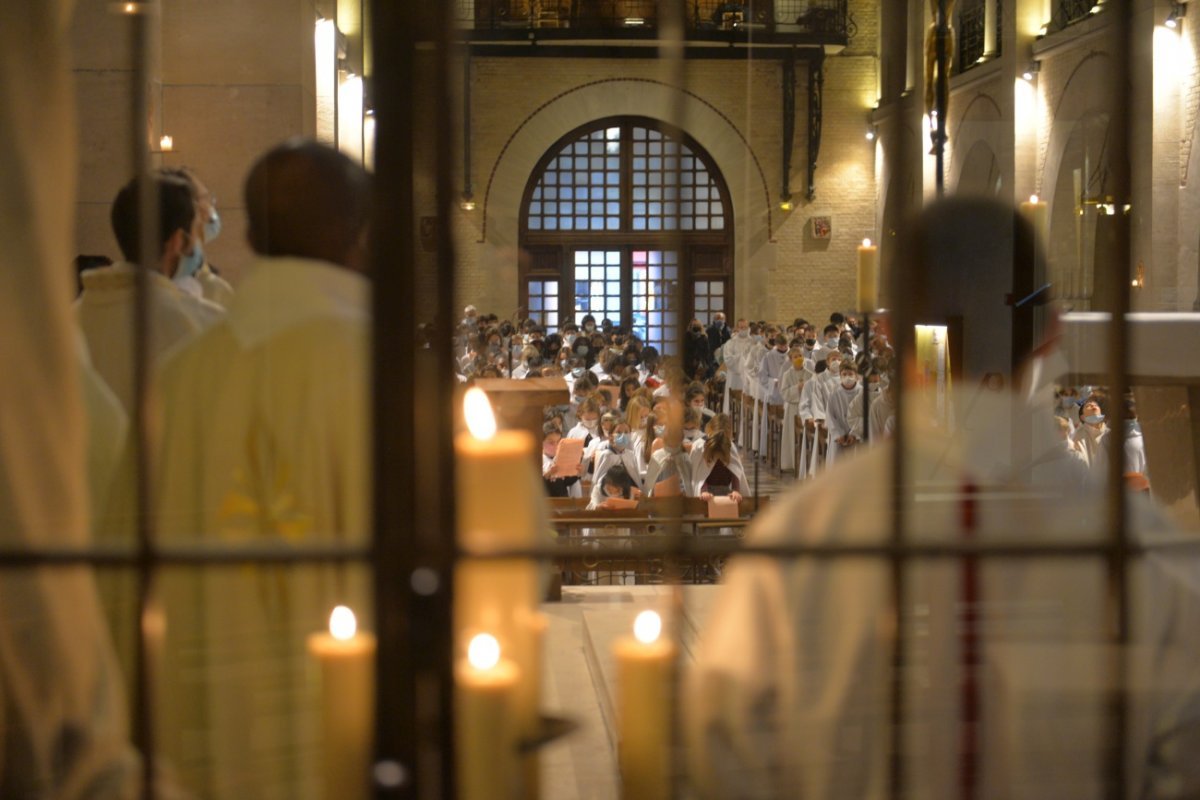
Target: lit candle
1036, 213
644, 666
166, 144
487, 731
501, 504
346, 658
868, 276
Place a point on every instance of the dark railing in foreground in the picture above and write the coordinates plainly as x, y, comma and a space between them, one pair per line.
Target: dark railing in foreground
615, 17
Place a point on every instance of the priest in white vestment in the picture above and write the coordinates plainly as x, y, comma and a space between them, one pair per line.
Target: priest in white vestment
106, 308
1008, 661
265, 443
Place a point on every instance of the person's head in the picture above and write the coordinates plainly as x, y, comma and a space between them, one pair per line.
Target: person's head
629, 387
849, 374
833, 360
837, 319
832, 333
741, 327
618, 437
308, 200
470, 313
588, 323
607, 422
206, 201
178, 230
781, 344
1092, 412
695, 328
589, 414
650, 358
635, 412
586, 384
551, 436
617, 482
797, 356
691, 422
695, 397
720, 439
719, 319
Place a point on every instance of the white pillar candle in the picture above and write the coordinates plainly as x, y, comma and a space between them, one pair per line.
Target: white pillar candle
486, 687
1036, 213
500, 505
346, 661
868, 276
644, 672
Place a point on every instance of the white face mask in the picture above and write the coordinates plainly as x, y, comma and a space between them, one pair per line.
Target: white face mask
849, 383
834, 366
591, 424
692, 436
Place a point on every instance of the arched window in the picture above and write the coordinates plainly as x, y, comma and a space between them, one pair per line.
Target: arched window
616, 215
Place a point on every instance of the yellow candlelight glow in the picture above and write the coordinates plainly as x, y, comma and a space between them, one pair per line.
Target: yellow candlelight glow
478, 412
342, 624
866, 242
1033, 198
647, 627
483, 653
166, 144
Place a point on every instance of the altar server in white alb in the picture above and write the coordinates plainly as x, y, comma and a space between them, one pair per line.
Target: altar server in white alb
106, 307
265, 443
731, 355
843, 413
791, 386
1006, 687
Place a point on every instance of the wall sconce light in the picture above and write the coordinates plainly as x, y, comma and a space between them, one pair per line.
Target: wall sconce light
127, 8
786, 204
871, 134
468, 202
1175, 18
1031, 71
1097, 8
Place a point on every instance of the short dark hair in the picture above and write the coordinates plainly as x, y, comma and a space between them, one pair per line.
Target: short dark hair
836, 318
308, 200
176, 211
830, 329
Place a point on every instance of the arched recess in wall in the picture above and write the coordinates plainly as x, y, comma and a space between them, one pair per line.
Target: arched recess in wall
627, 219
1077, 177
976, 166
714, 132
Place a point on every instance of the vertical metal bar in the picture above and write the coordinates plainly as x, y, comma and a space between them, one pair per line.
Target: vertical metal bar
789, 120
439, 544
148, 258
468, 188
866, 399
941, 96
1118, 607
394, 536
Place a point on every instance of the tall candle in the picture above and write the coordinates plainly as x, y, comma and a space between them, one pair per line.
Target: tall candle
1036, 212
346, 660
486, 687
644, 667
500, 505
868, 276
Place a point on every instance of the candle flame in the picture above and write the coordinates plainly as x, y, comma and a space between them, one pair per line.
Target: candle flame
483, 652
166, 143
478, 411
647, 627
342, 624
1033, 198
866, 242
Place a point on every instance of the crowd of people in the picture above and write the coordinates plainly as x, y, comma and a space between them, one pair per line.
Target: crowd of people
733, 382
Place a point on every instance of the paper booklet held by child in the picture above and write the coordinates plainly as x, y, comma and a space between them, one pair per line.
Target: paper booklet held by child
568, 459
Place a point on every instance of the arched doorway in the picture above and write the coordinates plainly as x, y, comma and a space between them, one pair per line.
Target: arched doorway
616, 216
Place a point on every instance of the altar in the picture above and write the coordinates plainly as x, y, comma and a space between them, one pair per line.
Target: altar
580, 677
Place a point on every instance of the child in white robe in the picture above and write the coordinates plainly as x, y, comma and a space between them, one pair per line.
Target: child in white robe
844, 413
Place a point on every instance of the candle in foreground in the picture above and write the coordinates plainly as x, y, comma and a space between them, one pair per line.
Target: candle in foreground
166, 144
346, 658
644, 671
486, 686
868, 276
501, 504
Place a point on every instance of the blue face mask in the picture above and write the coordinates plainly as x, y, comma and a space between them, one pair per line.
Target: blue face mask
212, 227
1094, 419
189, 263
621, 441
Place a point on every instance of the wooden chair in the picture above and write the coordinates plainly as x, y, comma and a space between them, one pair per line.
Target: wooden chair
735, 414
774, 435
